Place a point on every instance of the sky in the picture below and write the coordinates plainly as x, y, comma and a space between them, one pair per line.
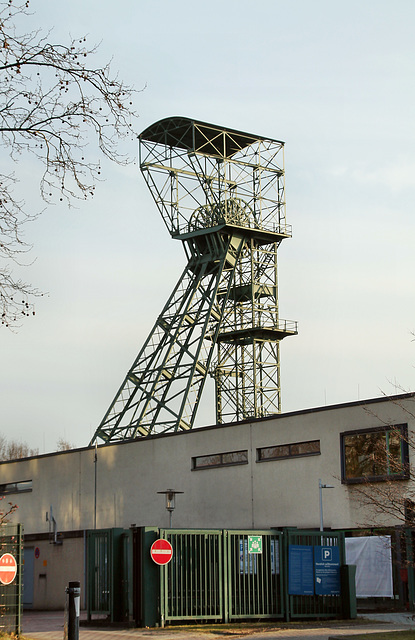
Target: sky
336, 82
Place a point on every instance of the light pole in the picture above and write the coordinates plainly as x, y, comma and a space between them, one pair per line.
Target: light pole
322, 486
95, 485
170, 501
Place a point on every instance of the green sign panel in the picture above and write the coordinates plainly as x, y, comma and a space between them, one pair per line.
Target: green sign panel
254, 544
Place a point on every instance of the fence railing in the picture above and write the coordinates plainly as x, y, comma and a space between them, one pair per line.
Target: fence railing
11, 578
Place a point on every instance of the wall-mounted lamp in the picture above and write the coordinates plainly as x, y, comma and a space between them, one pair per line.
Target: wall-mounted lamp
53, 527
170, 501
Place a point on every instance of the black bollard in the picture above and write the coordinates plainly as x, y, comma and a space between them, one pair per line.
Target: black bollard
74, 606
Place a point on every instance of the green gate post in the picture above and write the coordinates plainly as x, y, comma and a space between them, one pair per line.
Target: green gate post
150, 580
348, 591
127, 576
19, 579
284, 568
226, 575
410, 563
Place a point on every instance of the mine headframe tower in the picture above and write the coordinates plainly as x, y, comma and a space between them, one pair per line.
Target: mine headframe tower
221, 192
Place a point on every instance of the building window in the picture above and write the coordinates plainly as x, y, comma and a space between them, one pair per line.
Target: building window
375, 454
15, 487
220, 460
294, 450
409, 506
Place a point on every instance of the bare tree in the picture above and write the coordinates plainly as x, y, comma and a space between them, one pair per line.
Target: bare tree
386, 456
55, 103
15, 449
64, 445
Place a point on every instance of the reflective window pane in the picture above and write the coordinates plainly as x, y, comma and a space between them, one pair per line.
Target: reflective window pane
375, 454
220, 459
293, 450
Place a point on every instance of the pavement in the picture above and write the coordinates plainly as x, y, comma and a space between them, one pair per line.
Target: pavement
49, 625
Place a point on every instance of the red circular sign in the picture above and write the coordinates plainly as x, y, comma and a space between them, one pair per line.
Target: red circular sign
8, 568
161, 551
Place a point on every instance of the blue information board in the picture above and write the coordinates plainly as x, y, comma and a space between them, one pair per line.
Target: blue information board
327, 571
300, 570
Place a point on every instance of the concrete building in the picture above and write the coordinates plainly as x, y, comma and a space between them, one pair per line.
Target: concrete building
257, 474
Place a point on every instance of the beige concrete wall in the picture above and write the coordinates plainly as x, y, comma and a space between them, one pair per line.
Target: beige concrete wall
256, 495
54, 568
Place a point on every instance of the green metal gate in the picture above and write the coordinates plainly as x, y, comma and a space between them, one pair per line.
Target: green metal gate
213, 575
314, 606
99, 557
192, 583
11, 594
108, 574
255, 578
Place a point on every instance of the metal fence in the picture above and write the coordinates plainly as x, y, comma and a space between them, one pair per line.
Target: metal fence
255, 579
216, 575
192, 583
229, 575
313, 605
11, 565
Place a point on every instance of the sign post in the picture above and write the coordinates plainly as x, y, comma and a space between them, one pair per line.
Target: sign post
161, 551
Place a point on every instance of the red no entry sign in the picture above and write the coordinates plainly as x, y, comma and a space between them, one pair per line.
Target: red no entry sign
8, 568
161, 551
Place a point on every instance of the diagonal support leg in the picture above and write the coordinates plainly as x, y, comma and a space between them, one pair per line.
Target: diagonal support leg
161, 391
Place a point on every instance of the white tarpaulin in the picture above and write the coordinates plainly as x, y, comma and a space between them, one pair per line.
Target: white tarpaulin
373, 559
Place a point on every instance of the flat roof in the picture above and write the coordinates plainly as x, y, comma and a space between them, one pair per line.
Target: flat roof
227, 425
193, 135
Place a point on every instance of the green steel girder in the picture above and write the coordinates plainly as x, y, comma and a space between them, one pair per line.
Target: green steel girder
162, 389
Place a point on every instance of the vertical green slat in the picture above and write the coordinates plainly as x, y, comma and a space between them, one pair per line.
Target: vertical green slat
246, 580
209, 574
206, 573
179, 580
226, 564
199, 600
20, 578
191, 574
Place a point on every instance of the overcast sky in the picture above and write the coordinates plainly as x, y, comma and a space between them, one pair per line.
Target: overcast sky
336, 82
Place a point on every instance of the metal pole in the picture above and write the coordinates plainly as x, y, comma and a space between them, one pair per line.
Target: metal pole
322, 486
95, 486
74, 605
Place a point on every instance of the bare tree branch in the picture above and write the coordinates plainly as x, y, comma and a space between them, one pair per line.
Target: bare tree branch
55, 105
391, 496
7, 511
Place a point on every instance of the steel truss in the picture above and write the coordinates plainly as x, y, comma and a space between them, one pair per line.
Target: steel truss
221, 192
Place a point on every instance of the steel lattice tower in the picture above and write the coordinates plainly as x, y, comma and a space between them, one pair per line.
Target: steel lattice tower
221, 192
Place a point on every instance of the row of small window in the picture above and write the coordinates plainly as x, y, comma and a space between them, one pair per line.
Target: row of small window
369, 455
366, 456
278, 452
